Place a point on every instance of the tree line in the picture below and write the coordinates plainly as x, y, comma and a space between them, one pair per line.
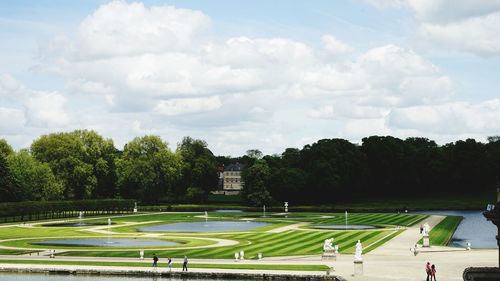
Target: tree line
335, 170
82, 165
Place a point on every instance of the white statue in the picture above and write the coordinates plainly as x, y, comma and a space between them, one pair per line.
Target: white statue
426, 229
327, 245
359, 252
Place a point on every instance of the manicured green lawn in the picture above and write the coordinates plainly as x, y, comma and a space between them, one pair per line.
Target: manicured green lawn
176, 265
441, 234
293, 242
15, 252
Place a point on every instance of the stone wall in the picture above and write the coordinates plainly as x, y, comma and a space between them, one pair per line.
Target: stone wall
173, 274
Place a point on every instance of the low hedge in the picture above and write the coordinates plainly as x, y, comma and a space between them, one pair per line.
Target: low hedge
28, 210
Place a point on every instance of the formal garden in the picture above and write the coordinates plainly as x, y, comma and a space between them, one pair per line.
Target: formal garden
212, 235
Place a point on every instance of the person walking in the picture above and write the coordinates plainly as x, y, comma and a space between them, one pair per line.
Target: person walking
428, 270
433, 272
169, 264
185, 264
155, 261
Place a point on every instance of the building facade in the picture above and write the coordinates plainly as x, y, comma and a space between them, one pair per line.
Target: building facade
232, 177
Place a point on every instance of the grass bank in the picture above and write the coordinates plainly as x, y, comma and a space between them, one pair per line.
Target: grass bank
288, 267
441, 234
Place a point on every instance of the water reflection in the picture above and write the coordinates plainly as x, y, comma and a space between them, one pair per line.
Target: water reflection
68, 277
474, 228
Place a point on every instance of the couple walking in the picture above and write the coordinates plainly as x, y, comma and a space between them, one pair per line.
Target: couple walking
184, 265
431, 271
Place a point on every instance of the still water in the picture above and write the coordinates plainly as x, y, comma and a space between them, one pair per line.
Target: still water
210, 226
53, 277
104, 242
474, 228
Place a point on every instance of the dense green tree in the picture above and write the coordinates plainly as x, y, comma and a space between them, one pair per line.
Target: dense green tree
5, 148
256, 178
199, 168
34, 180
147, 170
100, 153
82, 160
334, 169
8, 192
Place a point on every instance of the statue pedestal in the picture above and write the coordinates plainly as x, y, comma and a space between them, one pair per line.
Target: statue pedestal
135, 210
329, 255
427, 242
358, 268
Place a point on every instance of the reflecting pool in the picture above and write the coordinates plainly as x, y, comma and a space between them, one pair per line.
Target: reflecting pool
210, 226
105, 242
474, 228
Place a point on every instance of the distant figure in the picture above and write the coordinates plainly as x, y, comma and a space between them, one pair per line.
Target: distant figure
428, 270
421, 229
185, 264
155, 260
169, 264
433, 272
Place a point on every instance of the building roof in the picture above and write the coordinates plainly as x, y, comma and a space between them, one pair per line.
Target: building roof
233, 167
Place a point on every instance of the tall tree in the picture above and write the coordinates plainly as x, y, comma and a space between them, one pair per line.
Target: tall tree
147, 170
256, 178
5, 148
8, 192
100, 153
199, 169
34, 180
82, 160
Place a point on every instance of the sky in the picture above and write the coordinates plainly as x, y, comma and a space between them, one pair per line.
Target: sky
250, 74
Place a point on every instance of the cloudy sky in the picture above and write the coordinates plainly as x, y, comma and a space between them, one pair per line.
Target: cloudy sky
250, 74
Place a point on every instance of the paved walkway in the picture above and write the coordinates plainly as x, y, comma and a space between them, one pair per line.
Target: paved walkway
287, 227
401, 244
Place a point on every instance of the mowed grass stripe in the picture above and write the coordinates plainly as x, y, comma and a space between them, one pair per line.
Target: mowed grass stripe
312, 247
289, 236
312, 241
281, 244
363, 238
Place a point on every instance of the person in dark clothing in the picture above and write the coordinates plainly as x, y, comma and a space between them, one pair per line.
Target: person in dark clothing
155, 260
185, 264
428, 270
169, 264
433, 272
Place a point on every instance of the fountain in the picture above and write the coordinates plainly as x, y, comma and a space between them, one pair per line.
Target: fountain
206, 217
264, 211
80, 218
345, 220
109, 233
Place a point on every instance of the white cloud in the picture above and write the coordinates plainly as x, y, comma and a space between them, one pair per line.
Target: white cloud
334, 46
41, 109
237, 93
449, 118
119, 28
189, 105
47, 109
461, 25
12, 121
478, 35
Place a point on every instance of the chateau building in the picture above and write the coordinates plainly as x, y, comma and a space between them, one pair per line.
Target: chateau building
230, 182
